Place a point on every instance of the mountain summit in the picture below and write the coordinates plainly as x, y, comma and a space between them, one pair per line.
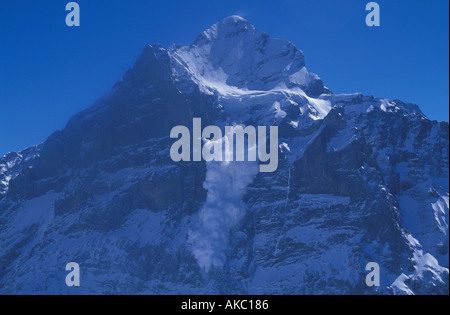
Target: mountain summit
360, 179
232, 53
232, 26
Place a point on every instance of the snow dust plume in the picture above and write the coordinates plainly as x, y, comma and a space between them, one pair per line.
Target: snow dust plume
226, 183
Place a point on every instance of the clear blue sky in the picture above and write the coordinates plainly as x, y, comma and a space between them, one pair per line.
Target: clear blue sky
48, 71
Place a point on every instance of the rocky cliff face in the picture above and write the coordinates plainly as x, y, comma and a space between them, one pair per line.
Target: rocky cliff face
360, 179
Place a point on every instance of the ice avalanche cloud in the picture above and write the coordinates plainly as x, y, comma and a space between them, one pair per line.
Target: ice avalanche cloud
226, 184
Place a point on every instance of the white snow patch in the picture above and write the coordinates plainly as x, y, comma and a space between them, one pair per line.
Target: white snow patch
440, 209
279, 113
35, 211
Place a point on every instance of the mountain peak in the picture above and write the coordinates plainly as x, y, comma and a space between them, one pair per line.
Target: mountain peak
234, 19
359, 180
232, 26
231, 53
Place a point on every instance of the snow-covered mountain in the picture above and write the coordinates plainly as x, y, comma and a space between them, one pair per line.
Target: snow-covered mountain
360, 179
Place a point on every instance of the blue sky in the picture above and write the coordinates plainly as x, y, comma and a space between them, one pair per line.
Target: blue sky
48, 71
